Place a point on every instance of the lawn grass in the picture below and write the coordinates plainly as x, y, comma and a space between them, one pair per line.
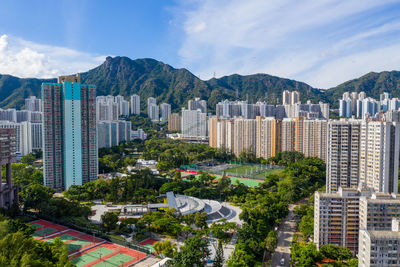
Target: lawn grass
245, 170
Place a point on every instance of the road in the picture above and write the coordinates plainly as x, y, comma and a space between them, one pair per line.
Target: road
285, 236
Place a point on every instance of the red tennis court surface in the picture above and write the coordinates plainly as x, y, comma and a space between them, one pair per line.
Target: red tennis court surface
45, 228
85, 250
149, 244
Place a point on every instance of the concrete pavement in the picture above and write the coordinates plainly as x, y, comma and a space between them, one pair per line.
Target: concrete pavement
285, 236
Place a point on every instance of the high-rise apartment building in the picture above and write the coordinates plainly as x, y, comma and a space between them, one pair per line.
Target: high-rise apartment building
20, 148
290, 98
112, 133
213, 131
268, 137
32, 136
288, 134
195, 104
266, 110
69, 133
298, 134
244, 131
314, 138
27, 115
221, 133
336, 217
28, 136
150, 101
228, 109
379, 155
345, 108
380, 248
225, 132
343, 154
384, 96
33, 104
249, 111
8, 114
174, 122
377, 211
8, 192
107, 108
194, 124
123, 106
135, 104
165, 109
152, 109
153, 112
367, 107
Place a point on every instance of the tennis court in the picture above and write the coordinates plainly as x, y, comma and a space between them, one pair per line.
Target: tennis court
92, 255
86, 250
107, 255
149, 244
45, 228
36, 225
116, 260
77, 245
75, 241
44, 232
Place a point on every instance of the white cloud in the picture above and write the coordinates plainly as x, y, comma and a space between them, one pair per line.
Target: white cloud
23, 58
304, 40
356, 65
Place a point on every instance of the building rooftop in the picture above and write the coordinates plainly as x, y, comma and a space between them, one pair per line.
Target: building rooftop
384, 198
384, 234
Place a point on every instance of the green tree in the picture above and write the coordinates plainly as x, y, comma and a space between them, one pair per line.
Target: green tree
28, 159
305, 255
200, 220
109, 220
166, 248
219, 258
271, 241
36, 196
335, 252
16, 249
194, 252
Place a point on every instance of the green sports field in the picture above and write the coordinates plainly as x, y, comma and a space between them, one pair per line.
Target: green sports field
257, 172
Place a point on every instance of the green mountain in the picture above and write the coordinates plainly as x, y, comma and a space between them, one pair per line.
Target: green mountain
149, 77
13, 90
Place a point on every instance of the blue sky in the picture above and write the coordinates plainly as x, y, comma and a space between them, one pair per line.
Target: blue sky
323, 43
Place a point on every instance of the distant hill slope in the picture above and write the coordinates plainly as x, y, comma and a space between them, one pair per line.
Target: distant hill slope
149, 77
373, 84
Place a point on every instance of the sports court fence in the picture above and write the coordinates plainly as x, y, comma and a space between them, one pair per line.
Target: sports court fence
226, 168
90, 231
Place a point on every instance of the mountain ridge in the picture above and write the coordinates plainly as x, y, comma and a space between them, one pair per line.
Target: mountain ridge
149, 77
